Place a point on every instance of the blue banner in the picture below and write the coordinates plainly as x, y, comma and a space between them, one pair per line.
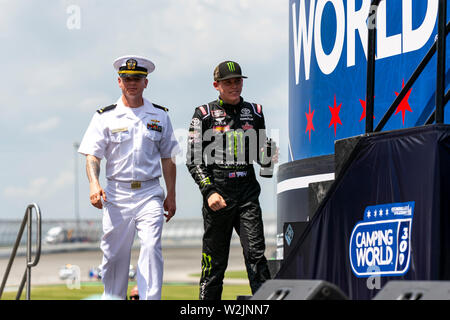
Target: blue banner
327, 68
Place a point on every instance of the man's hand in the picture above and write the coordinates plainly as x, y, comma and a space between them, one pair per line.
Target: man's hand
169, 206
170, 174
216, 202
96, 194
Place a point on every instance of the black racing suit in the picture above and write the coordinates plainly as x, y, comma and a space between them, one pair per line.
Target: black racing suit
224, 140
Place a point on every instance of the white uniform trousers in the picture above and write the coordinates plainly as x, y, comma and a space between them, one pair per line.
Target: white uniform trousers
126, 211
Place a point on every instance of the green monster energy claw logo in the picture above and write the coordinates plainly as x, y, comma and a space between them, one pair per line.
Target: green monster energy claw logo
205, 182
231, 66
235, 138
206, 265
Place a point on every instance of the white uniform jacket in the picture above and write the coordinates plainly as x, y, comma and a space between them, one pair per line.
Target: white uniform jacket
133, 140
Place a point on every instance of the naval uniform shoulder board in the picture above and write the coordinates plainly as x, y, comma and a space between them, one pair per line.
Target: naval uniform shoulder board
102, 110
160, 107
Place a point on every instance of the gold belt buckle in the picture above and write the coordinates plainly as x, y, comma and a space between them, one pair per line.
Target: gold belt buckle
135, 185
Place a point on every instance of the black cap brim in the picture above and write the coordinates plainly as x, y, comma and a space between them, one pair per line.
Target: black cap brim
128, 75
231, 76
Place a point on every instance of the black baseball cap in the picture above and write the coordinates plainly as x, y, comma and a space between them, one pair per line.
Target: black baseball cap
228, 70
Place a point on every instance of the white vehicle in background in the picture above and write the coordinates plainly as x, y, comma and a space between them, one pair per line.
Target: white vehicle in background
56, 235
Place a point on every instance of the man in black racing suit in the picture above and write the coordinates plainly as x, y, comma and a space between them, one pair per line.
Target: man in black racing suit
225, 137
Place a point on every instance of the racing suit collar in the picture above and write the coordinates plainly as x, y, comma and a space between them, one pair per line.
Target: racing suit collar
230, 106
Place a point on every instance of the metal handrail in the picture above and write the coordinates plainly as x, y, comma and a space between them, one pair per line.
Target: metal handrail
438, 45
27, 220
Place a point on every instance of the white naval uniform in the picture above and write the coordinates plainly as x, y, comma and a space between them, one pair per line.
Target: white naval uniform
133, 140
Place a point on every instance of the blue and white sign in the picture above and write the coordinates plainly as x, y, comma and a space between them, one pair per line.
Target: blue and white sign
328, 67
380, 245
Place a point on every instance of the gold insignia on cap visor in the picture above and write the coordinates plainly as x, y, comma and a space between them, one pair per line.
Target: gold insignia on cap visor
131, 64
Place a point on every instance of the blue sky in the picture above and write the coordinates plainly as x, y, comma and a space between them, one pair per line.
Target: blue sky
57, 70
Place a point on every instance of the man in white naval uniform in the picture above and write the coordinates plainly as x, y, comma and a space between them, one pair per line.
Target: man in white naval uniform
134, 136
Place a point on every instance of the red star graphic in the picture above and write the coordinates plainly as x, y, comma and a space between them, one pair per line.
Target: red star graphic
309, 118
404, 105
363, 115
335, 115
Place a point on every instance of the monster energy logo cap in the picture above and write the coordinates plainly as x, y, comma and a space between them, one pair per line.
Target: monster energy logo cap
227, 70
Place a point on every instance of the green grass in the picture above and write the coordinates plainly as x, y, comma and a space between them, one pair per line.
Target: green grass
89, 289
190, 292
228, 275
58, 292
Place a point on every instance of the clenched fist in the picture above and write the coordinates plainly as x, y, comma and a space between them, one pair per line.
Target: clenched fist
216, 202
96, 194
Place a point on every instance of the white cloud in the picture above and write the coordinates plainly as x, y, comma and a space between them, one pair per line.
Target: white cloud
34, 187
186, 37
46, 78
59, 77
233, 29
8, 15
95, 102
41, 187
63, 180
43, 126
